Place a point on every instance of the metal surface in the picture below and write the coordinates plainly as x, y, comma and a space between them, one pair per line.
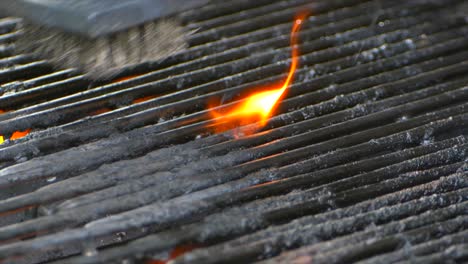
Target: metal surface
365, 160
95, 18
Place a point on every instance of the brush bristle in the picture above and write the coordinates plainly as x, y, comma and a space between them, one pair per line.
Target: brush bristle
104, 57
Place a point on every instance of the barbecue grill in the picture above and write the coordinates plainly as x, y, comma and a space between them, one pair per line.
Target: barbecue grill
363, 161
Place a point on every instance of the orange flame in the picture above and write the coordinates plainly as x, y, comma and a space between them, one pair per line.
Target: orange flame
259, 106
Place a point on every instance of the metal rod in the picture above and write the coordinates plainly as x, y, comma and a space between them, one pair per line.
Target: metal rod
168, 239
86, 214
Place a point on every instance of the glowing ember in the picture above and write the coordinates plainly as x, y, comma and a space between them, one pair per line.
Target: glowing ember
259, 106
20, 134
144, 99
178, 251
2, 139
100, 111
126, 78
16, 135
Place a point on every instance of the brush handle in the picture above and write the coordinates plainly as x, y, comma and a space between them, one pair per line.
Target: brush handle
95, 18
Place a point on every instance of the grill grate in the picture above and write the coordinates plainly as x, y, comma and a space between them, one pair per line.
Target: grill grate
364, 161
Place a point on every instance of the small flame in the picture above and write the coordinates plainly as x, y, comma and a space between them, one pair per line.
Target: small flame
259, 106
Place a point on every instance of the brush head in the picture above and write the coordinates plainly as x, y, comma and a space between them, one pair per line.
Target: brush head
104, 57
100, 37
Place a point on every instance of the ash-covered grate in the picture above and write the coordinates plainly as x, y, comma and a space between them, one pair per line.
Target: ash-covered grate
364, 160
